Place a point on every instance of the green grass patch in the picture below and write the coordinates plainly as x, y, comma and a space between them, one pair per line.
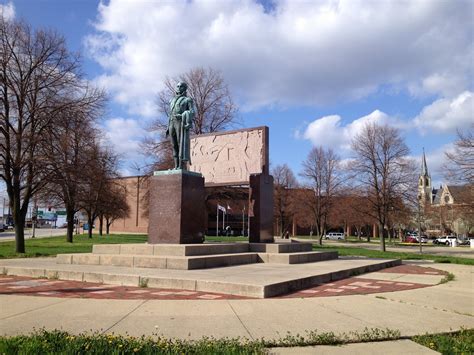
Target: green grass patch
58, 245
461, 342
447, 278
354, 251
60, 342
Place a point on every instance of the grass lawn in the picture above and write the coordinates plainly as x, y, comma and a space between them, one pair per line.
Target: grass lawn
60, 342
58, 245
461, 342
354, 251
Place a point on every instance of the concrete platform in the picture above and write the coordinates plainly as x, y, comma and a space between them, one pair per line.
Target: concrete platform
261, 280
192, 262
200, 249
196, 256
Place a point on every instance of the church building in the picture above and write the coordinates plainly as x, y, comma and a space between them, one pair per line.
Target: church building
447, 210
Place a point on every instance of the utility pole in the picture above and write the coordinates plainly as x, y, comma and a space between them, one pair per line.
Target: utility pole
419, 225
34, 218
138, 197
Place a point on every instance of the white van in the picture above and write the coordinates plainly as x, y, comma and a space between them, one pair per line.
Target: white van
334, 236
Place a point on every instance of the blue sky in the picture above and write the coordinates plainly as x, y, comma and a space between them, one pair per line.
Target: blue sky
313, 71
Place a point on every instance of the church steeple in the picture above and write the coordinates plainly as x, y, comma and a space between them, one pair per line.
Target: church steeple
424, 185
424, 167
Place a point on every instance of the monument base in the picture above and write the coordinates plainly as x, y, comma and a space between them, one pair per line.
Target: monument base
261, 208
176, 207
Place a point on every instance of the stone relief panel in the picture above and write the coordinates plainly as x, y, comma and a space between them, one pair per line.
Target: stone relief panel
228, 158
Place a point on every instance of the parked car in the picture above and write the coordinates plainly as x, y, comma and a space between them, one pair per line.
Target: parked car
424, 239
447, 240
411, 239
334, 236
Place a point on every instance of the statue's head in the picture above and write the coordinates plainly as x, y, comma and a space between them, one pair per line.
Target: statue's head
181, 88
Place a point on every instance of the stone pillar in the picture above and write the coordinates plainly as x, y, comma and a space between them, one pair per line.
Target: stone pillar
176, 207
261, 208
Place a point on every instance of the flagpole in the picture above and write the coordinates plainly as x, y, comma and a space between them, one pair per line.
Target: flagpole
248, 223
243, 222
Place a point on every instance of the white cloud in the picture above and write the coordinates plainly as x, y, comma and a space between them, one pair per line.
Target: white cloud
7, 11
447, 115
299, 53
125, 136
329, 131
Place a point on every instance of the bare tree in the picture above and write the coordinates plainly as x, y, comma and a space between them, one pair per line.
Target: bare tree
66, 155
460, 165
322, 171
284, 180
101, 169
38, 79
382, 167
113, 204
214, 106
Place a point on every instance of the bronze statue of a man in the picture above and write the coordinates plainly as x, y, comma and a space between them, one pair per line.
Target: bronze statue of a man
180, 122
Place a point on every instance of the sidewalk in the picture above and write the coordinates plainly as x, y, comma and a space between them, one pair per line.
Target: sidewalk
39, 233
439, 308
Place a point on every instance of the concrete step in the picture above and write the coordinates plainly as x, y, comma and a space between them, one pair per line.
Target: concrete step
260, 280
277, 248
157, 261
171, 249
192, 262
297, 258
199, 249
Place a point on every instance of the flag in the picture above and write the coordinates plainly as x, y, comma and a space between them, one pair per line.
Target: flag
222, 208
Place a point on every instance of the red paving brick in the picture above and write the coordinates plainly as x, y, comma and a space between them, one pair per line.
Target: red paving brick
26, 286
414, 269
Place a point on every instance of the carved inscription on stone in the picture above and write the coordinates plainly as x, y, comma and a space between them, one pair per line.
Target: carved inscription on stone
230, 158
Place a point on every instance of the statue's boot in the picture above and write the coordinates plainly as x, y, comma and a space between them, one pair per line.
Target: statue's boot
176, 163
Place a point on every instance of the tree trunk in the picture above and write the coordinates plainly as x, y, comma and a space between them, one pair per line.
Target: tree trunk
281, 226
107, 226
70, 224
89, 222
382, 236
19, 221
101, 224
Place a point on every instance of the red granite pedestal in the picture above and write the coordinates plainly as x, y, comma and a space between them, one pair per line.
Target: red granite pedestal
261, 208
176, 208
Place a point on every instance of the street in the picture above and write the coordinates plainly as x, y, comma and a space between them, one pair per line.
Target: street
39, 233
